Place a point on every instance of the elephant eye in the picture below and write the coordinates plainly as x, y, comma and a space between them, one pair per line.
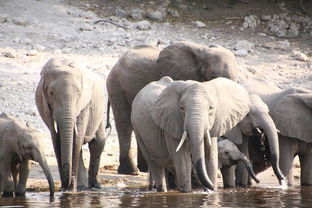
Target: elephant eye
181, 108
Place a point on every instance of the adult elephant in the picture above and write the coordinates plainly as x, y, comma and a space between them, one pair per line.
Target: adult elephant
19, 144
144, 64
257, 121
70, 102
167, 110
291, 111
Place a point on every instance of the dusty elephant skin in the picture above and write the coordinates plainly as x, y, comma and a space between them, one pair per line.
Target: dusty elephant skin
144, 64
70, 102
257, 121
291, 111
19, 144
167, 110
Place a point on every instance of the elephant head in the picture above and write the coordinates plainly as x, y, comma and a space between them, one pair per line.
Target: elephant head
258, 120
229, 154
192, 110
64, 90
27, 145
191, 61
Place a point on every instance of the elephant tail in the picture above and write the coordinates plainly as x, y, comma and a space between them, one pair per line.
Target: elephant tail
108, 126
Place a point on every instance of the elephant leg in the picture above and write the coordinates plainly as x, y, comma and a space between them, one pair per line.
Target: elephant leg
23, 171
228, 176
82, 181
96, 147
7, 179
306, 168
142, 164
287, 153
158, 176
290, 176
212, 161
122, 111
241, 174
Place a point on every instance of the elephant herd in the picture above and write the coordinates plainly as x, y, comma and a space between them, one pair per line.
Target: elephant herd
191, 112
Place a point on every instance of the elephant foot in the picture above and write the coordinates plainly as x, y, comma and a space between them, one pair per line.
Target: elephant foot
20, 194
82, 188
228, 186
306, 184
128, 168
95, 185
241, 185
7, 194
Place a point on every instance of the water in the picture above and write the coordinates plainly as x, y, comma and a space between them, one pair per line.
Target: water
273, 197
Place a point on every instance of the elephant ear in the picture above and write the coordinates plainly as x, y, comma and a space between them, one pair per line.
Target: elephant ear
165, 111
293, 116
232, 105
180, 61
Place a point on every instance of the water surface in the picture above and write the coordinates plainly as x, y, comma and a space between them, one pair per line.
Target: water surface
273, 197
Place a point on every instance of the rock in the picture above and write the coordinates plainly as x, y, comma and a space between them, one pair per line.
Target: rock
266, 17
121, 13
32, 53
244, 45
4, 18
156, 16
173, 13
241, 52
38, 47
198, 24
251, 21
299, 55
86, 28
20, 21
283, 44
143, 25
10, 53
137, 14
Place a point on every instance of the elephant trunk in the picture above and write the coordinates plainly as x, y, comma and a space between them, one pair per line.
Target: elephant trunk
196, 138
66, 135
270, 130
247, 164
40, 158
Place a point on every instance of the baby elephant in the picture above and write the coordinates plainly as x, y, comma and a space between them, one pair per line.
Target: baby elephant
229, 155
18, 145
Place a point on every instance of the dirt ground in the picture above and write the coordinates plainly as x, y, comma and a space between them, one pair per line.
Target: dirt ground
33, 31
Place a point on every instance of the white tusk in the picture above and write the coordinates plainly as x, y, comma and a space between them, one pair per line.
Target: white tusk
76, 129
258, 130
182, 141
278, 131
55, 127
208, 137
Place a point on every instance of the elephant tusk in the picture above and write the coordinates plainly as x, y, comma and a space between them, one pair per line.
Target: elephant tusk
55, 127
76, 129
208, 137
182, 141
258, 130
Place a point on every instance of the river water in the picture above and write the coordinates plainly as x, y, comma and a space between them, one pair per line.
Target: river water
260, 196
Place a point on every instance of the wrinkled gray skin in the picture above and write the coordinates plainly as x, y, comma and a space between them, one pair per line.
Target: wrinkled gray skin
70, 102
19, 144
165, 111
141, 65
229, 155
291, 111
258, 119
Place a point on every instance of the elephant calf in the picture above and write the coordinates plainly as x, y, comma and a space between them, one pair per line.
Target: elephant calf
229, 155
19, 144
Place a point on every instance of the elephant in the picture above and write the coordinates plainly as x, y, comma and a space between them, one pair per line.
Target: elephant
291, 111
256, 122
144, 64
166, 110
70, 102
229, 155
19, 144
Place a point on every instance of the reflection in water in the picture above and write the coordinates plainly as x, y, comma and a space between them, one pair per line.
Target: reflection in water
109, 197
